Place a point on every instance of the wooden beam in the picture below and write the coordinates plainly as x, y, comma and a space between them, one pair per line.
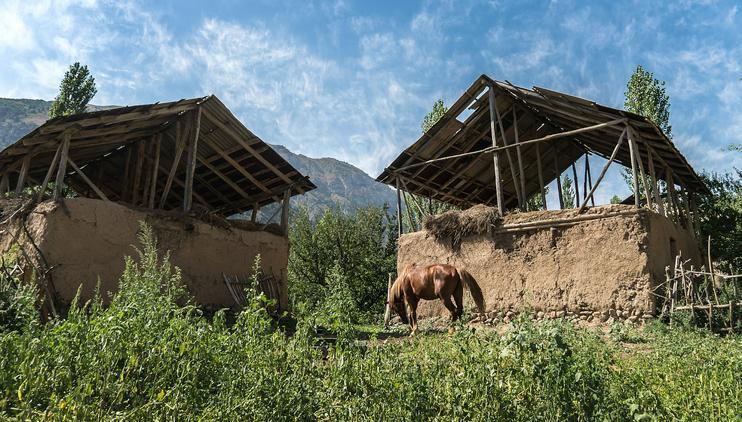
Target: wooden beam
138, 172
496, 155
576, 183
191, 163
155, 172
509, 157
254, 214
179, 145
285, 212
655, 183
229, 131
23, 174
634, 176
49, 172
588, 179
62, 167
602, 173
520, 160
399, 210
540, 177
90, 183
558, 179
225, 178
5, 183
640, 164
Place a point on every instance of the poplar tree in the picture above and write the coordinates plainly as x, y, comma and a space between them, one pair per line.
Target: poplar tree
75, 92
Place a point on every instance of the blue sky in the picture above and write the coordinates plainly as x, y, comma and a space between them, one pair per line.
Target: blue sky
353, 80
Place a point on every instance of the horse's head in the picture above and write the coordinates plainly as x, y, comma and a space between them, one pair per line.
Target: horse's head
396, 300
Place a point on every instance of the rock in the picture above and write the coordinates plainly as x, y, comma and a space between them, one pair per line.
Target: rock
559, 314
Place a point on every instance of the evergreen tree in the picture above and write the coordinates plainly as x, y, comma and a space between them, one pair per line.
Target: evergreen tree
568, 193
435, 114
75, 91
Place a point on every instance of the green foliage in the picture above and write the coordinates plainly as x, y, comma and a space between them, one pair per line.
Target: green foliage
147, 357
534, 202
615, 199
18, 310
359, 248
721, 218
568, 192
435, 114
646, 96
75, 92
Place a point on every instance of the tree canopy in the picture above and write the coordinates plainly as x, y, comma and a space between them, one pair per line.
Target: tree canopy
75, 92
645, 95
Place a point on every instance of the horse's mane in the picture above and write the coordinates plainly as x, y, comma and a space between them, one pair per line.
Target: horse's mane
396, 291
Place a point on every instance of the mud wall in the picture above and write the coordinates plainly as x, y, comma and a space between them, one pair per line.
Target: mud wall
85, 239
596, 269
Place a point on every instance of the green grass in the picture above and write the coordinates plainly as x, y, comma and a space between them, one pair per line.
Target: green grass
146, 357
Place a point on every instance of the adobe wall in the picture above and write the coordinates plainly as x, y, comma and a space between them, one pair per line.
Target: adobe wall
596, 269
84, 239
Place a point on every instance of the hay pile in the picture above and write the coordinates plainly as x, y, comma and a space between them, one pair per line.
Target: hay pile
452, 226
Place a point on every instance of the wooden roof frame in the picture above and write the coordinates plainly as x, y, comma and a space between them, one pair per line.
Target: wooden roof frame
538, 134
162, 155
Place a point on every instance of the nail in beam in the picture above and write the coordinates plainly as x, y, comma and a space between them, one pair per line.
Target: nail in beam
495, 156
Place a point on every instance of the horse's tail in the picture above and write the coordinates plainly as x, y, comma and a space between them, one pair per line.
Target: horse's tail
474, 289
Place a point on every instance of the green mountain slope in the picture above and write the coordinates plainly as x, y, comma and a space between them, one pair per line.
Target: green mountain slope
338, 183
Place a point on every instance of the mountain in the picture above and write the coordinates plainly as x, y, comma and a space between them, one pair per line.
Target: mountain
338, 183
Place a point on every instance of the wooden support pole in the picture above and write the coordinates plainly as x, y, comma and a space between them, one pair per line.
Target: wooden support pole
149, 161
125, 184
138, 172
179, 145
585, 188
23, 174
90, 183
254, 213
191, 163
686, 208
602, 172
62, 167
640, 165
4, 183
520, 161
285, 212
655, 183
558, 179
388, 308
634, 176
155, 171
507, 154
540, 177
496, 155
49, 172
576, 184
399, 209
673, 196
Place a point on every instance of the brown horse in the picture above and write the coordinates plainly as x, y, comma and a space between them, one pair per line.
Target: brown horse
437, 281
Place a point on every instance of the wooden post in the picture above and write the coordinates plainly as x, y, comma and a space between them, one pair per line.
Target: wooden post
589, 179
4, 183
495, 155
254, 214
602, 172
49, 172
558, 179
634, 176
686, 208
399, 210
85, 178
191, 163
673, 196
62, 167
521, 201
577, 184
125, 181
520, 162
138, 173
179, 145
388, 308
655, 184
23, 174
540, 177
640, 165
155, 171
285, 212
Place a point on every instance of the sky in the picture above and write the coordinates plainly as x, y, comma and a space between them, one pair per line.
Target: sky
353, 80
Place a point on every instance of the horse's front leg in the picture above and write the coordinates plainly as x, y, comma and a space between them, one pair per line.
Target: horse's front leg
413, 316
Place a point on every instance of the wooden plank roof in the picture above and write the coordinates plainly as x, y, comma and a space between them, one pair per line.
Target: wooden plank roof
234, 168
465, 128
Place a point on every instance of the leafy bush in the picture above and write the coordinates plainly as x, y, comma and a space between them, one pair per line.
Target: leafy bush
362, 246
151, 355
